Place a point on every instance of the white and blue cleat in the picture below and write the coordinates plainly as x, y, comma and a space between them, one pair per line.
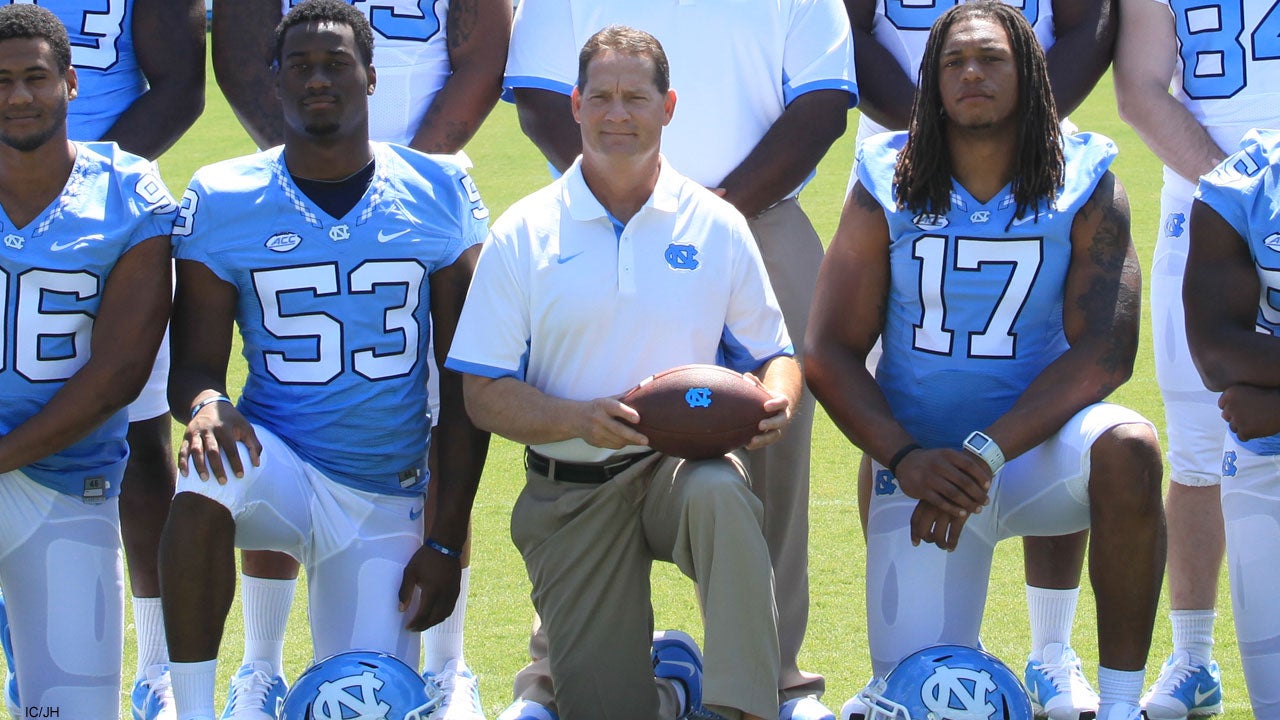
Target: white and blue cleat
1184, 690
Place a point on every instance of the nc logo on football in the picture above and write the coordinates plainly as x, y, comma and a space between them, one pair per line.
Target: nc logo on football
354, 696
958, 693
1229, 463
885, 484
698, 397
1174, 225
682, 257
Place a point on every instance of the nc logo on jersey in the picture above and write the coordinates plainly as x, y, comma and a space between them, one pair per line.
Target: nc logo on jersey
698, 397
929, 221
14, 241
885, 484
980, 216
283, 242
682, 257
340, 232
1273, 242
348, 697
1229, 463
958, 693
1174, 225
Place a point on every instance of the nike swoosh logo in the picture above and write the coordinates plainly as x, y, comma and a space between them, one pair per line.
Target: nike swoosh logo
386, 237
562, 259
415, 514
693, 669
1019, 221
1201, 696
75, 242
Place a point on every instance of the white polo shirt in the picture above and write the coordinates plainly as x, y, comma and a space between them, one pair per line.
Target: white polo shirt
735, 64
568, 300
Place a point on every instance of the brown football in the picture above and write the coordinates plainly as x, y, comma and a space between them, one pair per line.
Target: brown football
698, 411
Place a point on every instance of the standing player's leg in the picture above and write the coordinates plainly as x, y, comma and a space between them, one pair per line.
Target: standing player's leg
267, 584
1189, 682
1251, 506
1052, 567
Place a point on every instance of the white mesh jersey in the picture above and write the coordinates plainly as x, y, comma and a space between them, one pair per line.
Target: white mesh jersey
1228, 76
411, 55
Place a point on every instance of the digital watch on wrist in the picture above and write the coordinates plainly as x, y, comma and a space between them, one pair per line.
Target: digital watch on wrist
984, 447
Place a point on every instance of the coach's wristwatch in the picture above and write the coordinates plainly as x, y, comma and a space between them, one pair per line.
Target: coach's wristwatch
984, 447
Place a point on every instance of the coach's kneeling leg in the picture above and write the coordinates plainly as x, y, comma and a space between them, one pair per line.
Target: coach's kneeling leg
703, 517
1127, 553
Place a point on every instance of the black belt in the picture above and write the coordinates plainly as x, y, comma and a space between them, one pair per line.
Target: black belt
584, 473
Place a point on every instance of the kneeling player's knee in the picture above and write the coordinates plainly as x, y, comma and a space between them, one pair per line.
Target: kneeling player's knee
1126, 470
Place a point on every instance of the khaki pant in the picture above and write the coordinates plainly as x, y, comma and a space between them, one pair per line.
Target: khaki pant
589, 550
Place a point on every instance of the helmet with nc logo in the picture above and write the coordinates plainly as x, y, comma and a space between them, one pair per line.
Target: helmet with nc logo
360, 685
948, 682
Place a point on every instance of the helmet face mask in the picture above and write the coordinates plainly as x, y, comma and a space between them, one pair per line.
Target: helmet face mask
360, 685
948, 682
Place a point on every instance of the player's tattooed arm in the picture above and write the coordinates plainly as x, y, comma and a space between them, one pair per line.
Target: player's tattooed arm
242, 46
478, 33
168, 37
1101, 304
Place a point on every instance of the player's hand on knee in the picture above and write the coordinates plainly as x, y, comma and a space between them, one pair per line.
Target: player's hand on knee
603, 423
1250, 411
437, 578
952, 480
935, 526
209, 442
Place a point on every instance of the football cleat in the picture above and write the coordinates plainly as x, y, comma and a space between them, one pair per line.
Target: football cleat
1184, 689
459, 693
360, 685
11, 675
527, 710
676, 657
1057, 685
153, 695
1121, 711
947, 681
805, 708
255, 693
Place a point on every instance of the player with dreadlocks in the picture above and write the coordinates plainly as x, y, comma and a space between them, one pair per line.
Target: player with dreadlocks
992, 256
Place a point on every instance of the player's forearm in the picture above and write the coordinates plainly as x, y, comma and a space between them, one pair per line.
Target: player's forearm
547, 119
1168, 128
461, 448
788, 152
885, 91
1082, 50
839, 380
457, 112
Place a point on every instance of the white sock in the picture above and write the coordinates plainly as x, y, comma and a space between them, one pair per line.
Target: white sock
1193, 632
1119, 686
153, 648
442, 643
266, 604
1051, 613
193, 688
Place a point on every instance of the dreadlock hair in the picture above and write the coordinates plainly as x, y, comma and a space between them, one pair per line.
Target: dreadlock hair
32, 22
922, 178
333, 11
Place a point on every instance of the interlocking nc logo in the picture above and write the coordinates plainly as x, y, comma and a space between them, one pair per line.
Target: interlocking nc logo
958, 693
339, 232
980, 216
1173, 225
698, 397
13, 241
682, 257
884, 483
1229, 463
338, 699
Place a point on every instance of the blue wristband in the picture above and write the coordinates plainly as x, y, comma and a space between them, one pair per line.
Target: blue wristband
443, 549
208, 401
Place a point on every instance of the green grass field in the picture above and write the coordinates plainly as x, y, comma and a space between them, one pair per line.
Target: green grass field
507, 166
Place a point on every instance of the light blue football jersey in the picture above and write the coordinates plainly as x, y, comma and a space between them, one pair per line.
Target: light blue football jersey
101, 33
1245, 191
52, 274
334, 313
975, 298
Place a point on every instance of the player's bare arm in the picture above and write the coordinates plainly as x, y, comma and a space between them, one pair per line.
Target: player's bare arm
200, 340
885, 91
241, 47
1220, 293
460, 449
1101, 307
781, 377
478, 34
846, 320
169, 42
546, 117
1084, 34
1146, 57
126, 335
788, 152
